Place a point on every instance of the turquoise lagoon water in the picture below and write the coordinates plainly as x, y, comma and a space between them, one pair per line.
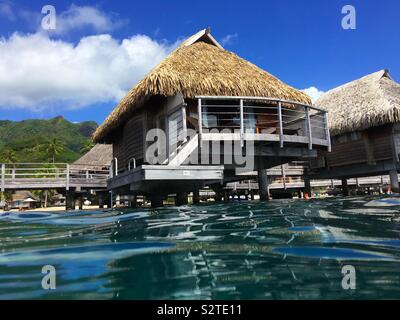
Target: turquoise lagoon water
289, 249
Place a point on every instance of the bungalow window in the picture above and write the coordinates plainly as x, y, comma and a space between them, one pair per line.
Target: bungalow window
250, 121
210, 120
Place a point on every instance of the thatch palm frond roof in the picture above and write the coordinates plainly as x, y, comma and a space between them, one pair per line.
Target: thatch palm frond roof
99, 157
200, 67
371, 101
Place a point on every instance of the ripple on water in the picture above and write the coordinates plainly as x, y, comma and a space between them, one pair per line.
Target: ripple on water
333, 253
245, 250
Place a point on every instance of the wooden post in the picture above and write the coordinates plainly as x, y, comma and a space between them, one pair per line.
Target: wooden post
345, 188
156, 201
218, 196
283, 176
307, 187
184, 124
70, 200
263, 185
181, 199
196, 196
328, 135
309, 130
3, 177
133, 202
241, 124
280, 124
226, 196
200, 116
394, 181
67, 179
101, 200
110, 202
80, 201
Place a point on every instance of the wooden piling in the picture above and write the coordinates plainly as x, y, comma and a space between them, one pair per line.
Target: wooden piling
307, 188
345, 188
70, 200
156, 201
181, 198
196, 196
263, 185
394, 181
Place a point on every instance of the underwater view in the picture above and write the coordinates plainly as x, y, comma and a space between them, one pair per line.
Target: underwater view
283, 249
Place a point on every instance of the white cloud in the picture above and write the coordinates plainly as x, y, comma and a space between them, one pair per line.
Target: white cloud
6, 10
38, 73
84, 17
314, 93
229, 39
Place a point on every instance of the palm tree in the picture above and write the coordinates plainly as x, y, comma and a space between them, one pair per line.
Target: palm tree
87, 147
53, 148
44, 196
8, 156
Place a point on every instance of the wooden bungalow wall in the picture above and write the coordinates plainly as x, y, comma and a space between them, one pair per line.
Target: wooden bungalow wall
129, 144
368, 146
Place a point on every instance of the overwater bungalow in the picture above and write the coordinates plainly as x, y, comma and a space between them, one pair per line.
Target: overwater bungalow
203, 96
364, 118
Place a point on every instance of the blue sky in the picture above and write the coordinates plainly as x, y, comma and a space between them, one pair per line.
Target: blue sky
102, 48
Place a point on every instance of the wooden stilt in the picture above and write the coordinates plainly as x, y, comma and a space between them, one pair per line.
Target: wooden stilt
181, 198
101, 200
307, 188
80, 202
156, 201
345, 188
70, 200
133, 202
394, 181
196, 196
263, 185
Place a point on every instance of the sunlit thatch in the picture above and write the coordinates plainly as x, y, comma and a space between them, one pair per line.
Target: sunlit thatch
371, 101
98, 157
200, 69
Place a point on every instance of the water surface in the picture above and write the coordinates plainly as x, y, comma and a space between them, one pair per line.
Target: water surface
290, 249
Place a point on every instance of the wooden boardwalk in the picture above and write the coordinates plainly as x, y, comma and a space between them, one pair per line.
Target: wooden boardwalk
28, 176
298, 183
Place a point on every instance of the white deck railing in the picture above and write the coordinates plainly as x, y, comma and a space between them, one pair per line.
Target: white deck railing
262, 119
51, 175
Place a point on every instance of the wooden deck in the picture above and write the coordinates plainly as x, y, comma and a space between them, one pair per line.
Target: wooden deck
291, 184
27, 176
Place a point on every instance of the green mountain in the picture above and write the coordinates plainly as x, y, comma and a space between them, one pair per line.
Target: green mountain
26, 137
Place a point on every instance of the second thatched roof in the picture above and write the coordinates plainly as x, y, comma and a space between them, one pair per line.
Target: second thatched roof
200, 66
371, 101
97, 158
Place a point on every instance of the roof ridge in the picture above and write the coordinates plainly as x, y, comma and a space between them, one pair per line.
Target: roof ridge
382, 73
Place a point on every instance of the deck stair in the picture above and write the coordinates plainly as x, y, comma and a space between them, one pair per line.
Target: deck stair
184, 151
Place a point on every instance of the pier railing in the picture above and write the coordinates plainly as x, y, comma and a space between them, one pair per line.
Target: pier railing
262, 119
51, 175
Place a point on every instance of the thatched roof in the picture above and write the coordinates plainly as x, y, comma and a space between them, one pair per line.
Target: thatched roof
200, 66
22, 195
99, 156
371, 101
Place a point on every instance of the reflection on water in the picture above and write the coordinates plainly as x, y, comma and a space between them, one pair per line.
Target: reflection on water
243, 250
